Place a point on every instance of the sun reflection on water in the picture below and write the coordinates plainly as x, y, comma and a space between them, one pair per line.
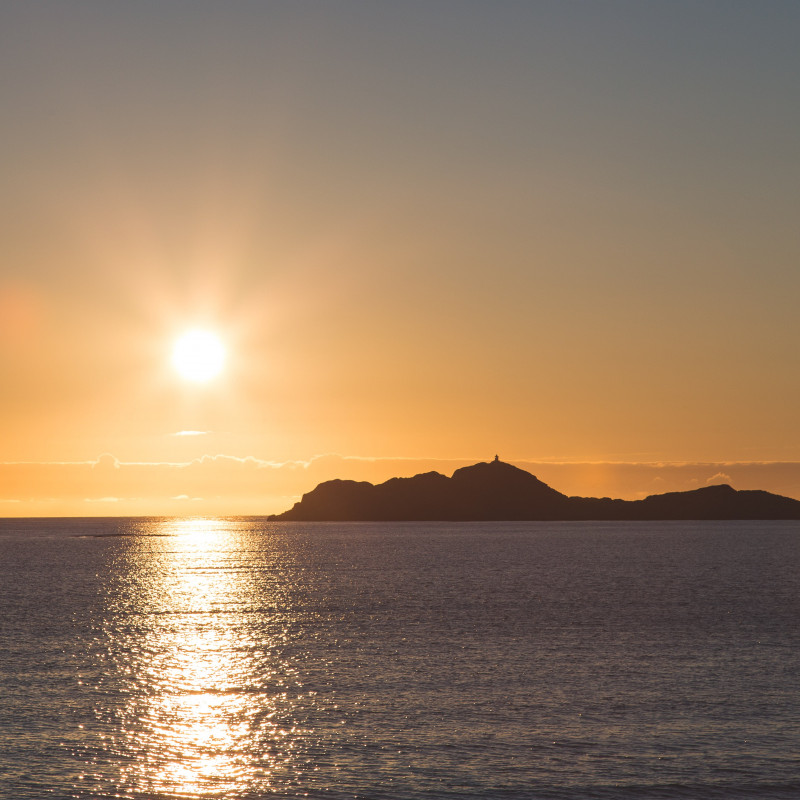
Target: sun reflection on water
204, 700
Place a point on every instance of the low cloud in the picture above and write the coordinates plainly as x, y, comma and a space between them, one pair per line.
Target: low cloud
225, 484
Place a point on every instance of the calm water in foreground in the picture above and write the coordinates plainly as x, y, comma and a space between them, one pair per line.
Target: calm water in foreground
236, 658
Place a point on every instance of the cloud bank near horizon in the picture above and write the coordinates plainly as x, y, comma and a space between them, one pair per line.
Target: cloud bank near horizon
230, 485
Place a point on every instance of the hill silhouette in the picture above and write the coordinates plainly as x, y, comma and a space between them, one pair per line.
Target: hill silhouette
496, 490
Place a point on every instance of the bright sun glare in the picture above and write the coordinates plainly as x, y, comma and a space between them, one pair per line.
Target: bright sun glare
198, 355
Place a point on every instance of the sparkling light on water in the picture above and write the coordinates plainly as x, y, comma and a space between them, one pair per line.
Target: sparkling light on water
204, 693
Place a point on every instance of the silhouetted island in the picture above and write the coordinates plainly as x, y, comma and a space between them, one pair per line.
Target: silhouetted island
496, 490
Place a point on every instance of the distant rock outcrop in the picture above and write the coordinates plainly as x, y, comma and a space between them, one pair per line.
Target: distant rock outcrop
496, 490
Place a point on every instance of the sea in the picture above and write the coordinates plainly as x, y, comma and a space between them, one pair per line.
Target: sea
242, 658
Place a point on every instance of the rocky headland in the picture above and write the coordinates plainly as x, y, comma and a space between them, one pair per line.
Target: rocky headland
496, 490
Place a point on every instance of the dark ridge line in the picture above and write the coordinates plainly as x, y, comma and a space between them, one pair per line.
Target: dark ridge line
497, 491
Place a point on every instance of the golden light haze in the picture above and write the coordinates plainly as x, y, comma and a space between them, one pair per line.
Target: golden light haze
566, 235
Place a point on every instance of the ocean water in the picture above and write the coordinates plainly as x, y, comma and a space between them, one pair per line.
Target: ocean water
236, 658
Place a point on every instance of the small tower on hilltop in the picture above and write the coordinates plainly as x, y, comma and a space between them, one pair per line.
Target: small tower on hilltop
497, 458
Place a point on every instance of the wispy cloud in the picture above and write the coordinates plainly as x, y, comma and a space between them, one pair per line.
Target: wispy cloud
106, 461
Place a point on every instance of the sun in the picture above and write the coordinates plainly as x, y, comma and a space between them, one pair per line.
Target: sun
198, 356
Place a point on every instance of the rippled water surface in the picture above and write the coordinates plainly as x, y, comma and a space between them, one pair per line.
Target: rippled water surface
235, 658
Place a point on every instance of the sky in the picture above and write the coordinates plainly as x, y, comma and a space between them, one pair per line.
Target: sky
426, 233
